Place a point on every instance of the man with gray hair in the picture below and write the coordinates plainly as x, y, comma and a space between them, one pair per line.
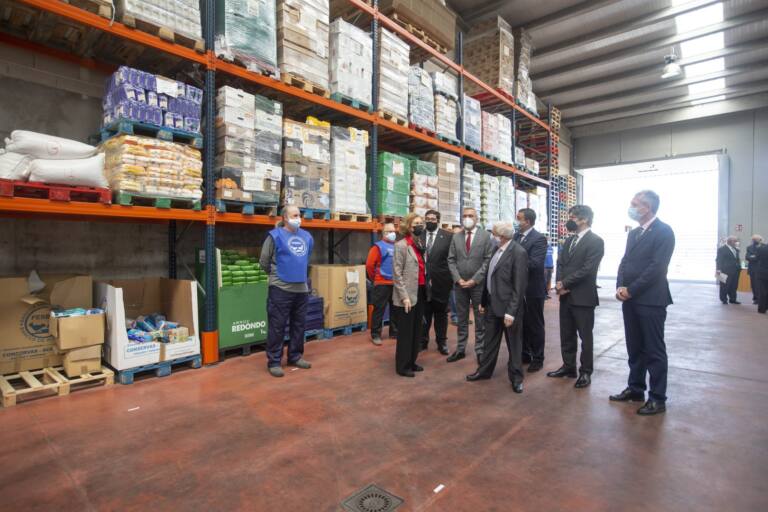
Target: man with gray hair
728, 265
503, 306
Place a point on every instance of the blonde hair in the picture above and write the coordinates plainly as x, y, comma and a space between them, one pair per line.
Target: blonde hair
405, 225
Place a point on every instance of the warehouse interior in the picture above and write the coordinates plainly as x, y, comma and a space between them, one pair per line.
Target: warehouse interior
622, 96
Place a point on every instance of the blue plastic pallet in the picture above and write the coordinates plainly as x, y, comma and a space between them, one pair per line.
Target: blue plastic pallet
162, 369
448, 140
312, 213
129, 127
345, 330
309, 335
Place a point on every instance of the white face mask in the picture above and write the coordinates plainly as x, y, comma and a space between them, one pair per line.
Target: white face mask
498, 239
469, 223
390, 237
295, 223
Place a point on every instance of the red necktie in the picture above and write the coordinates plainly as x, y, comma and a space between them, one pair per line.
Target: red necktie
469, 240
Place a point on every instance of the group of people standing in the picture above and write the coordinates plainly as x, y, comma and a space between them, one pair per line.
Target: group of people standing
502, 275
728, 265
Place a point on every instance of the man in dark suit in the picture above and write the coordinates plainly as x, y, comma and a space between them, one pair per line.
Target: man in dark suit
504, 306
535, 244
643, 289
751, 257
761, 274
728, 262
437, 242
576, 284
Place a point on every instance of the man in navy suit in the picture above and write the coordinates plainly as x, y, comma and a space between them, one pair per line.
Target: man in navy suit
643, 289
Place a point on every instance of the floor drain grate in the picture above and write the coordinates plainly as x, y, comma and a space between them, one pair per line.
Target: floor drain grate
372, 499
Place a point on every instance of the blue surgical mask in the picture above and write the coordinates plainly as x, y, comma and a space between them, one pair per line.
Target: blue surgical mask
516, 224
634, 214
295, 223
390, 237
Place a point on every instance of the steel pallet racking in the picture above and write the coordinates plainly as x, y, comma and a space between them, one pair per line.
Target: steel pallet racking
210, 67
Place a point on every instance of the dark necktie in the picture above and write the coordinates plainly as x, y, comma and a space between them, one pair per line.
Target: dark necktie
430, 241
573, 244
469, 240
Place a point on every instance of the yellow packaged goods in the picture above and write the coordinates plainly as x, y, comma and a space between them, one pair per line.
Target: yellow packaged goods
153, 167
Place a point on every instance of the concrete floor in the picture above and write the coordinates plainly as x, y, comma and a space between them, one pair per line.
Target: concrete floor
229, 437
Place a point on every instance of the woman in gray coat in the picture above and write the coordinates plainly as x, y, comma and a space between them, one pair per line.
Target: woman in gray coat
409, 295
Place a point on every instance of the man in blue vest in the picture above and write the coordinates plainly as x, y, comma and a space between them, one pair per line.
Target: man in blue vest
285, 257
378, 267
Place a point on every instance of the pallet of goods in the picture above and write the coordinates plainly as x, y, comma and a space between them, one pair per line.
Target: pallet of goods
348, 172
446, 117
307, 167
523, 91
429, 20
351, 65
421, 100
507, 211
472, 191
302, 44
449, 185
393, 186
246, 34
491, 201
249, 131
177, 21
489, 54
393, 64
473, 125
424, 186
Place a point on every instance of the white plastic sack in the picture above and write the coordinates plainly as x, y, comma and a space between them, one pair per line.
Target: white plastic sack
14, 166
40, 145
85, 172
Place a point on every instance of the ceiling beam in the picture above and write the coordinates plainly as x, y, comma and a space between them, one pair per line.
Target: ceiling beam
728, 106
627, 94
722, 52
622, 29
669, 103
656, 44
568, 13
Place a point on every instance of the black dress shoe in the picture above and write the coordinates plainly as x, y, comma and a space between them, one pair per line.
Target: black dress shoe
417, 368
628, 396
725, 302
526, 359
735, 302
443, 350
406, 373
476, 376
652, 407
455, 357
535, 366
583, 381
563, 372
517, 387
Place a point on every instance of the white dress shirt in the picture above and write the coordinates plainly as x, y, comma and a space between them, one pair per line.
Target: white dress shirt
579, 236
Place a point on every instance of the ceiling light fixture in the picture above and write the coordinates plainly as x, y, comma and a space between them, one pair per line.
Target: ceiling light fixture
671, 68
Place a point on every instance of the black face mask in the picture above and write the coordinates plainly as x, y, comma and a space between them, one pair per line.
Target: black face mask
571, 226
431, 226
418, 230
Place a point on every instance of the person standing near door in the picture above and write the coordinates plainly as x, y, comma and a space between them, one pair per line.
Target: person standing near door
643, 289
751, 257
468, 259
576, 285
437, 243
378, 267
729, 263
761, 273
535, 244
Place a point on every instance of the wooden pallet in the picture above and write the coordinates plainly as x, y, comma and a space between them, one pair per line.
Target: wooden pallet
165, 33
130, 127
130, 199
302, 83
352, 102
351, 217
421, 129
344, 330
393, 117
252, 65
36, 190
449, 140
418, 32
103, 8
32, 384
389, 219
161, 369
230, 206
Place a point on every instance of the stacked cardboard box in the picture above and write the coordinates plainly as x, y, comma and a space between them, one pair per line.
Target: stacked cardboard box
249, 147
446, 116
542, 215
521, 199
489, 54
79, 335
504, 142
393, 184
424, 186
519, 156
348, 151
302, 39
180, 16
472, 191
445, 83
307, 164
532, 166
246, 33
507, 210
473, 136
394, 63
342, 288
449, 185
523, 86
421, 102
351, 61
431, 16
490, 133
491, 201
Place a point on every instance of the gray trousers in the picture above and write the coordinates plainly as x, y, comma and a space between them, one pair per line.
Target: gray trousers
463, 298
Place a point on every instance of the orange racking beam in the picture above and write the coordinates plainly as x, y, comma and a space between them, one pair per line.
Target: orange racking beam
266, 220
73, 13
97, 210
